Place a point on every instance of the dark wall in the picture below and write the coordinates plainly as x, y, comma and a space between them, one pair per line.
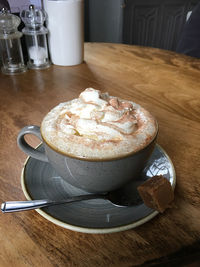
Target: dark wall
103, 20
155, 23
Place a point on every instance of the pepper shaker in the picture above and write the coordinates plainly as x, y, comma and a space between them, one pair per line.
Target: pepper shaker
10, 43
35, 36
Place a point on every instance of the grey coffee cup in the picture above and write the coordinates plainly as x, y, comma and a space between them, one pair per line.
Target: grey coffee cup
93, 176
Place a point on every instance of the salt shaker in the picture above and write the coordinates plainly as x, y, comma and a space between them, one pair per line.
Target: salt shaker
10, 44
36, 37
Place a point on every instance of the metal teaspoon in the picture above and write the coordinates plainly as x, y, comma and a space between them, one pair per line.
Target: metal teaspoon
123, 197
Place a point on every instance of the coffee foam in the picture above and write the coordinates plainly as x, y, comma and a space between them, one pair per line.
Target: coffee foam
98, 126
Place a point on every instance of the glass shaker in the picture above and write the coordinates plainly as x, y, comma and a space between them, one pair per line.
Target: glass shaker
10, 43
35, 36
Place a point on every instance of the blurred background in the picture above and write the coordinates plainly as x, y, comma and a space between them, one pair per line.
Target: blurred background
154, 23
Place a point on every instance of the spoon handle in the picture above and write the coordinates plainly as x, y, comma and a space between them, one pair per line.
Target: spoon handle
13, 206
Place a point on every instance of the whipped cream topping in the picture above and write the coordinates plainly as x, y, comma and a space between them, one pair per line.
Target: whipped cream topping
97, 125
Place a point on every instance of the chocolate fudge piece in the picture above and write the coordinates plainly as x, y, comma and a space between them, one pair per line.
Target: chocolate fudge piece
157, 193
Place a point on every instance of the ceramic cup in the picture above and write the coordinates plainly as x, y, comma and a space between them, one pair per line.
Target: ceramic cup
95, 176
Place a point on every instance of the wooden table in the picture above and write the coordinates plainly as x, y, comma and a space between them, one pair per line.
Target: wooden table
165, 83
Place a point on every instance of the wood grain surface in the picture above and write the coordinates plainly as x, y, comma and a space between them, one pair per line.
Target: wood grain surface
165, 83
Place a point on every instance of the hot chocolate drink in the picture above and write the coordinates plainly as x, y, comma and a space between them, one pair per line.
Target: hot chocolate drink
97, 126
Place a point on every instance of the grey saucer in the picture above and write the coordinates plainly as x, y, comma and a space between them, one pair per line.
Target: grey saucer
40, 181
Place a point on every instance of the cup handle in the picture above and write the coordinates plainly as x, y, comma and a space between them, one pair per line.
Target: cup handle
25, 147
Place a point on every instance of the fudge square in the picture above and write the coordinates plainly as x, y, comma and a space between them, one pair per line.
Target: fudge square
156, 193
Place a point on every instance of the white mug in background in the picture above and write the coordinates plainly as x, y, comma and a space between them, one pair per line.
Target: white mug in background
66, 31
